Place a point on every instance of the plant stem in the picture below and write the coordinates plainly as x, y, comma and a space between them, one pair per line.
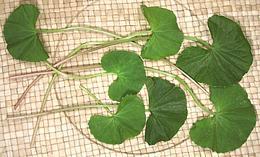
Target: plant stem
66, 109
78, 28
19, 101
74, 76
134, 37
182, 82
195, 39
64, 69
185, 85
47, 93
88, 92
187, 76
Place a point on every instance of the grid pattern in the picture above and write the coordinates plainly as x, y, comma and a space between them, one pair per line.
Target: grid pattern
66, 134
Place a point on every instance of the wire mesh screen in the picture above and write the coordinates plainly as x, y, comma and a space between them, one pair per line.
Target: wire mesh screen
67, 133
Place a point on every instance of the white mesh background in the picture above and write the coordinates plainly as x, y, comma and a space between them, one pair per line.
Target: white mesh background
66, 134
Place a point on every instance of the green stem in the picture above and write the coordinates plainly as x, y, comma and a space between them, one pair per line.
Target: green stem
185, 85
195, 39
66, 109
78, 28
131, 38
181, 81
74, 76
88, 92
46, 95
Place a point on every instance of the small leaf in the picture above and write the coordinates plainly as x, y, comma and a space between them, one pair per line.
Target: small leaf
166, 36
130, 73
128, 122
228, 60
167, 104
232, 123
21, 36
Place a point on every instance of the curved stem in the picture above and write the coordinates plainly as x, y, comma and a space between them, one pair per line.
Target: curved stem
66, 109
195, 39
88, 92
185, 85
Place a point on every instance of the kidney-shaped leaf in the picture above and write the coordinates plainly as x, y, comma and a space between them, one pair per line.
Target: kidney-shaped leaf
166, 36
232, 123
167, 104
226, 62
127, 122
21, 36
130, 72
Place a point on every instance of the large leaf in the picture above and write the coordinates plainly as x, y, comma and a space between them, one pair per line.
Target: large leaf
21, 36
166, 36
128, 122
226, 62
167, 104
130, 71
232, 123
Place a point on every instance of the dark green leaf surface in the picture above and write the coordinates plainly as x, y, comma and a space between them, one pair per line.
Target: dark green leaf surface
232, 123
21, 37
166, 36
228, 60
128, 122
130, 72
167, 104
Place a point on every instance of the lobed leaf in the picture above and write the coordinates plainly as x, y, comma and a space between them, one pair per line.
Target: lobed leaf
130, 72
22, 40
232, 123
166, 36
226, 62
168, 107
127, 122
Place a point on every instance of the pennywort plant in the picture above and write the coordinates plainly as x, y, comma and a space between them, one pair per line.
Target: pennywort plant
220, 65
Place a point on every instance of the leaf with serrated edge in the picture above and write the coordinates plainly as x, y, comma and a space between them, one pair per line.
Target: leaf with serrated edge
232, 123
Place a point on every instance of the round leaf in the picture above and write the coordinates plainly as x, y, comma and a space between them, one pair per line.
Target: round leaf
226, 62
128, 122
232, 123
167, 104
166, 36
130, 73
21, 36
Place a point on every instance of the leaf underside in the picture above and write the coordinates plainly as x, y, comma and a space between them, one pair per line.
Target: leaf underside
168, 107
228, 60
166, 36
232, 123
127, 122
21, 37
130, 72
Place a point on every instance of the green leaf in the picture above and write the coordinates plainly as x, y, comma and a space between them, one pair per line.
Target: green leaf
166, 36
232, 123
21, 36
167, 104
130, 73
226, 62
127, 122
